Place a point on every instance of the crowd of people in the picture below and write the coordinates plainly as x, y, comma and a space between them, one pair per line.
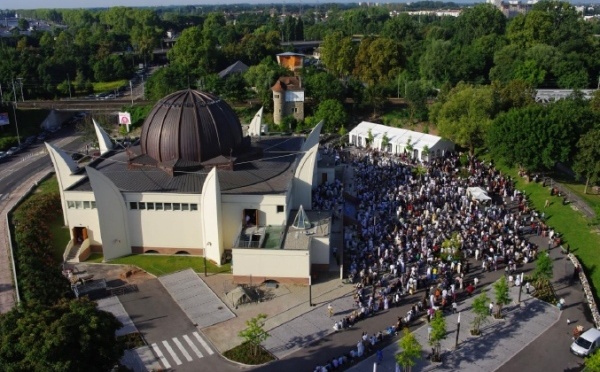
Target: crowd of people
417, 228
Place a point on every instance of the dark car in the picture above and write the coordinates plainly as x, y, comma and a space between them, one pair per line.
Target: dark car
76, 156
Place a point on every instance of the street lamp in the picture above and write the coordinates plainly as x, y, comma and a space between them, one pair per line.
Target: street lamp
15, 112
209, 244
457, 332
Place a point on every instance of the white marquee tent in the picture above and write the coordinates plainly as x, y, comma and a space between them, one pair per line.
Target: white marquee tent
399, 139
477, 193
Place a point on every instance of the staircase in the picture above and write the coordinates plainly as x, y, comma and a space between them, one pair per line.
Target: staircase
73, 253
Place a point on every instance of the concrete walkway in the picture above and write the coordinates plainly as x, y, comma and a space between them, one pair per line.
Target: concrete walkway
500, 340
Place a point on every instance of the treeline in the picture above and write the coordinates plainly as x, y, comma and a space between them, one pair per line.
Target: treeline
49, 330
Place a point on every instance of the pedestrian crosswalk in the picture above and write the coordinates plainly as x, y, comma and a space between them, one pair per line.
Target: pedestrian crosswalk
178, 350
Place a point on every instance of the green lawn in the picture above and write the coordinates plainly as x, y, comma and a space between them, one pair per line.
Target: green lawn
161, 264
574, 228
109, 86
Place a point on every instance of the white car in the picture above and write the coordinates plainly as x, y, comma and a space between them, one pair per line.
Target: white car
12, 151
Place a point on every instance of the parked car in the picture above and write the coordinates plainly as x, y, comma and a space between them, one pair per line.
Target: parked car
12, 151
587, 343
2, 155
76, 156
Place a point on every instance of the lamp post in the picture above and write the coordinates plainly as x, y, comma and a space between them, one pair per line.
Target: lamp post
310, 291
457, 332
520, 288
205, 272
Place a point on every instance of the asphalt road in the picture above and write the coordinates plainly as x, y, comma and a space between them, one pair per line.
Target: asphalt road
164, 325
15, 169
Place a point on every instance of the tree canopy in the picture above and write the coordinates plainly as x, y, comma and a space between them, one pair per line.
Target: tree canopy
71, 335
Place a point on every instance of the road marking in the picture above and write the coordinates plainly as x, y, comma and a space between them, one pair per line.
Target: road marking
204, 344
172, 352
4, 196
194, 348
161, 356
183, 351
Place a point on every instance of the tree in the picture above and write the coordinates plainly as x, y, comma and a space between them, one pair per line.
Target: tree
501, 295
592, 362
385, 141
481, 312
254, 332
370, 137
374, 96
410, 350
71, 335
321, 85
466, 115
587, 158
543, 267
438, 333
379, 60
338, 53
333, 113
416, 97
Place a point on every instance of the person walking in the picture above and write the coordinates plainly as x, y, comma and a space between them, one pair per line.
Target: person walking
330, 310
491, 308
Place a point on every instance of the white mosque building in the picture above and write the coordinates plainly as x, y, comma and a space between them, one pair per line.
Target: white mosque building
196, 185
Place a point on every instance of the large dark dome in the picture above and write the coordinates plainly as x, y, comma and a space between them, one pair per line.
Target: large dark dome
190, 125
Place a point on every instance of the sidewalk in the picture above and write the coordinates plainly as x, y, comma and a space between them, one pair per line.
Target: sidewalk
500, 340
7, 288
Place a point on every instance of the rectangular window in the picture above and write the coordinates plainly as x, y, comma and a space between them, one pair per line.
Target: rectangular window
142, 205
93, 205
193, 207
276, 95
158, 206
295, 109
78, 205
150, 206
176, 206
70, 204
185, 207
86, 205
167, 206
133, 205
280, 209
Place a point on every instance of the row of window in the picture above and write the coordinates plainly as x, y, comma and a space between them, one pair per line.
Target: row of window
81, 204
149, 206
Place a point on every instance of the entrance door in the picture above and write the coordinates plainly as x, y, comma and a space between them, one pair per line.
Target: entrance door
323, 178
250, 217
80, 234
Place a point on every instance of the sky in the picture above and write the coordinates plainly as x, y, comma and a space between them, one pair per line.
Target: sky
39, 4
61, 4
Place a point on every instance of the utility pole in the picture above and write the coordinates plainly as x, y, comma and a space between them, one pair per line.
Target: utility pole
69, 82
1, 96
21, 84
131, 89
15, 113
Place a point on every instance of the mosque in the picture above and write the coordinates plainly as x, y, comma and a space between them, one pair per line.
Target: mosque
195, 184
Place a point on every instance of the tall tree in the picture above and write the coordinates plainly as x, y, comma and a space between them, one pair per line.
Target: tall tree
466, 115
438, 333
501, 295
479, 308
72, 335
587, 157
333, 113
338, 53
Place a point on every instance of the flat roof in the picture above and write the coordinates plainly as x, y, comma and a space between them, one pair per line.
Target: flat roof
299, 239
270, 174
